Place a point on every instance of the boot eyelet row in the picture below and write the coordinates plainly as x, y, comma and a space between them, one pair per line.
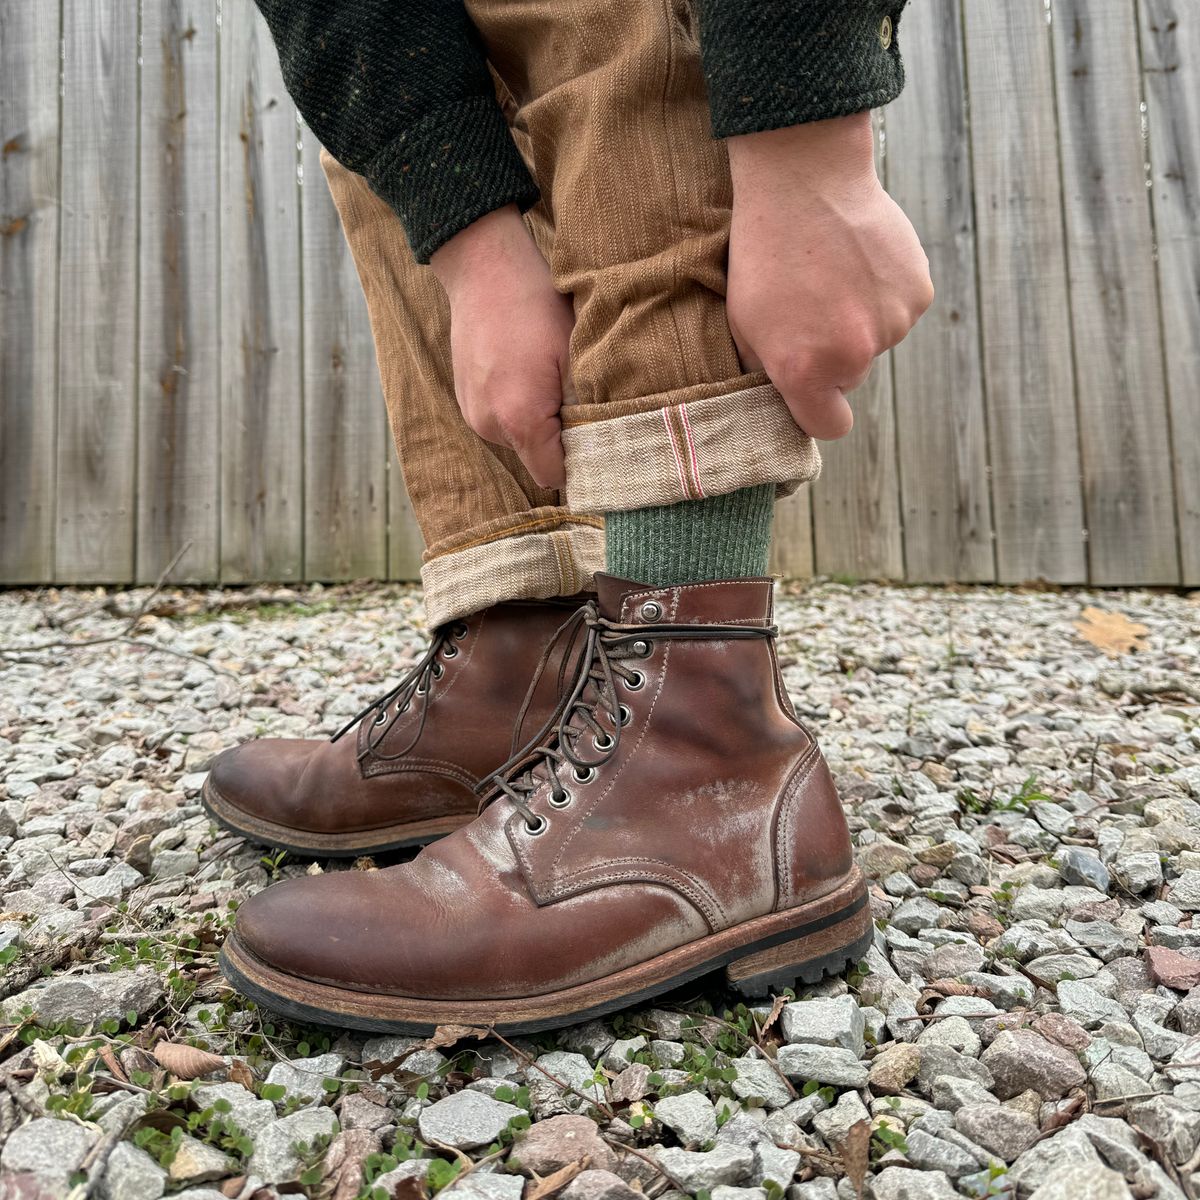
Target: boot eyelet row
438, 670
383, 716
605, 742
623, 717
651, 610
585, 776
643, 648
561, 800
635, 682
460, 631
537, 827
449, 651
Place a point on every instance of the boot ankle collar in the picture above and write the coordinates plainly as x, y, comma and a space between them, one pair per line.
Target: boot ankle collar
722, 601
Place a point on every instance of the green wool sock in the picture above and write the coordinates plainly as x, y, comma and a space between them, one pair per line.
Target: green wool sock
721, 537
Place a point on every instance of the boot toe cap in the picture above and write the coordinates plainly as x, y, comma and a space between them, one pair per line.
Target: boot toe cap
258, 780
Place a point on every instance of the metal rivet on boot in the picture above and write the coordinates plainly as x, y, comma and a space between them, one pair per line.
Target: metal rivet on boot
651, 610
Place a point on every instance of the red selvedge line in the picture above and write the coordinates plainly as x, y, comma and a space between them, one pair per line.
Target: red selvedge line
683, 480
687, 428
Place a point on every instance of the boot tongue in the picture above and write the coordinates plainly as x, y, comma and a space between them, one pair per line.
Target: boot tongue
611, 590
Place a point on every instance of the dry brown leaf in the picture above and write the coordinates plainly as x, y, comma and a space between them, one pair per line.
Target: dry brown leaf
240, 1073
449, 1035
365, 863
856, 1154
1112, 632
110, 1061
1065, 1115
187, 1062
410, 1189
951, 987
554, 1183
773, 1015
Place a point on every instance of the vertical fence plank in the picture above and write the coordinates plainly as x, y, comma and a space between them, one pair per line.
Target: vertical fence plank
97, 412
941, 421
1032, 426
856, 502
345, 475
405, 543
1128, 497
262, 446
29, 71
178, 426
792, 546
1171, 60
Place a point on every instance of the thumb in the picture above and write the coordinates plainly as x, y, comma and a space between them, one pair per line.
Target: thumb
821, 411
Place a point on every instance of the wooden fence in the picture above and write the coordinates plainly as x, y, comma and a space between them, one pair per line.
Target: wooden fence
185, 357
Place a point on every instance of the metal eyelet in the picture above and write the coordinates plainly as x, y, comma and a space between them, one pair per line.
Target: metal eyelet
449, 651
422, 688
538, 827
438, 670
642, 648
561, 800
460, 631
651, 610
585, 776
604, 743
624, 715
379, 720
401, 709
636, 681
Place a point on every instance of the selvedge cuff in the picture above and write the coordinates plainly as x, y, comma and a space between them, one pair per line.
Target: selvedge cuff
683, 450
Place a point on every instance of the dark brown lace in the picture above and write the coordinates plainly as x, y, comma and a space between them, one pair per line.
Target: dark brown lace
591, 711
416, 686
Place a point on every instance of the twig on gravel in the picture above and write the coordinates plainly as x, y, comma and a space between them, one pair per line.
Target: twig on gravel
602, 1105
487, 1158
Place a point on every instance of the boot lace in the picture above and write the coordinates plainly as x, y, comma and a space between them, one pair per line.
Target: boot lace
416, 686
584, 731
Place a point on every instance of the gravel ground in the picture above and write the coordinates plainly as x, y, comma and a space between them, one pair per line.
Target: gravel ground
1026, 1024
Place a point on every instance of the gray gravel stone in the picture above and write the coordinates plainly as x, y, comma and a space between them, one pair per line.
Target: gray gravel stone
690, 1116
1078, 866
935, 1154
466, 1120
1019, 1059
198, 1162
758, 1080
825, 1064
46, 1147
999, 1130
302, 1079
131, 1174
901, 1183
825, 1022
88, 999
274, 1159
1082, 1183
693, 1170
598, 1185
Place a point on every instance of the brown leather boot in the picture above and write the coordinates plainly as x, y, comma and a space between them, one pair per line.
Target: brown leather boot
676, 818
402, 772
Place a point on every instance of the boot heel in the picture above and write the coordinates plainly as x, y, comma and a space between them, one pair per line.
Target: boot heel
807, 958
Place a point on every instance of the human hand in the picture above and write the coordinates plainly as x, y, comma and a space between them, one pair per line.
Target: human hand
510, 330
825, 270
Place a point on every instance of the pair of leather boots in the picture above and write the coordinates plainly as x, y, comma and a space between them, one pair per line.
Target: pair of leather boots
666, 816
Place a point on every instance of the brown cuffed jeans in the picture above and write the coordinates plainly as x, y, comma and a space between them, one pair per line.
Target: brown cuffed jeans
607, 105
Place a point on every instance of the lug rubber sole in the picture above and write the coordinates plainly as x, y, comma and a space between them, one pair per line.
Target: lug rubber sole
402, 836
822, 937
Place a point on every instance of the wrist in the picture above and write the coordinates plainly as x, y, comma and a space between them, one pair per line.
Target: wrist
813, 157
494, 243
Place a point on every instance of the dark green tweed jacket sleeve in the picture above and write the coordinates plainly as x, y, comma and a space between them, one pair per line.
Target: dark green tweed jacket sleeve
399, 91
771, 63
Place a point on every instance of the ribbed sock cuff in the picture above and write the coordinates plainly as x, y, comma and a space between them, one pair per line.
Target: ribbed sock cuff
720, 537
